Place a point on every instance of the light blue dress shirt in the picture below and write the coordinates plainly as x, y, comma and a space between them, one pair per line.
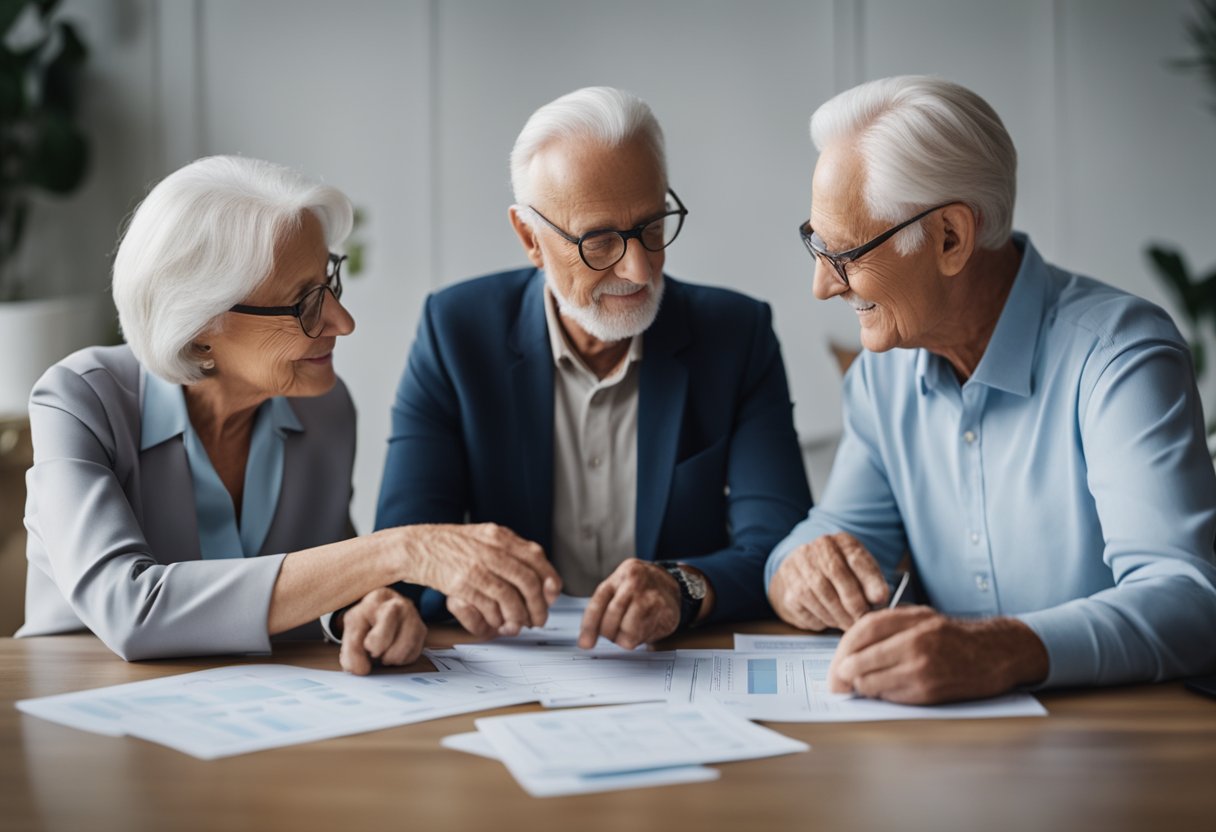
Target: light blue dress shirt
164, 416
1066, 483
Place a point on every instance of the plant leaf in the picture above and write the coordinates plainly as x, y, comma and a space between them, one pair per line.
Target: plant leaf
10, 10
60, 157
1173, 269
61, 78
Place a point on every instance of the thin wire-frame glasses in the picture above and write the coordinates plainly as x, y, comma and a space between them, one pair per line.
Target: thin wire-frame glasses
603, 248
814, 244
309, 309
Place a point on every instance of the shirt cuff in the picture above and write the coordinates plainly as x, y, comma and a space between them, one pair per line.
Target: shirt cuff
327, 626
1072, 645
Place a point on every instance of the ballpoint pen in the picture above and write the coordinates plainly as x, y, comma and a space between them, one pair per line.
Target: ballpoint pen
899, 590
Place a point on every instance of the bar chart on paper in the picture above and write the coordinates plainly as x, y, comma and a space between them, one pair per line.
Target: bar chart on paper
762, 676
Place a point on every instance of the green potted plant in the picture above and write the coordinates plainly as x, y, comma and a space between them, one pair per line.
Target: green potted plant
42, 150
1195, 293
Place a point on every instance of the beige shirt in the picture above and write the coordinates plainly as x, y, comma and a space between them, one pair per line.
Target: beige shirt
595, 456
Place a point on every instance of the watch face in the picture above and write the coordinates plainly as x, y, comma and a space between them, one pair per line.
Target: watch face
696, 584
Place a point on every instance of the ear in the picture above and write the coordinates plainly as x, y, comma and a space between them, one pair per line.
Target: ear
527, 237
958, 227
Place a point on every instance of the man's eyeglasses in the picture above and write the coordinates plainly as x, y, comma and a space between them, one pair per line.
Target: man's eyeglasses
309, 309
602, 249
814, 244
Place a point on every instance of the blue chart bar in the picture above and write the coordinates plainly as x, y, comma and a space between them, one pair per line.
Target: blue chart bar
761, 675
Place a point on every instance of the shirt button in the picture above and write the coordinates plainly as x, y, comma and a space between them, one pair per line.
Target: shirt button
588, 533
975, 538
969, 437
981, 583
595, 462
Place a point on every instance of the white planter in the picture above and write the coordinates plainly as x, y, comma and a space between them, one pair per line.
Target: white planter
34, 334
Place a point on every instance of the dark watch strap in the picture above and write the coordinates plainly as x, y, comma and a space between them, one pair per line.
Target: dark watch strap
690, 606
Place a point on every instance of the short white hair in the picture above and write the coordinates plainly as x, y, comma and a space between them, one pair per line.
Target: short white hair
925, 141
202, 241
605, 115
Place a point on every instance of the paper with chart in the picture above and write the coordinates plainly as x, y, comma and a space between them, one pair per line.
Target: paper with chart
567, 676
555, 785
785, 686
590, 742
234, 710
751, 642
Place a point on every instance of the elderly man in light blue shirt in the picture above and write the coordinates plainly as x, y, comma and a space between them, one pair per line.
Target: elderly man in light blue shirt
1033, 438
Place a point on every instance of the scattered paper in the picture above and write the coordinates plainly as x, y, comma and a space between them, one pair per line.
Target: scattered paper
556, 785
235, 710
567, 676
749, 642
627, 739
792, 687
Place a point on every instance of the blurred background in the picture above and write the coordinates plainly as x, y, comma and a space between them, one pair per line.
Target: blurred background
411, 107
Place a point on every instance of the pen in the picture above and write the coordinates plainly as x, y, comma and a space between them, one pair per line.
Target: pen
899, 590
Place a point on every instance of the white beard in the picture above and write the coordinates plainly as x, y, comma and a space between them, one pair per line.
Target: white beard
611, 326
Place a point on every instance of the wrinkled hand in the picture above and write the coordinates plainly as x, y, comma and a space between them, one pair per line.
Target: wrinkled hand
496, 582
830, 582
384, 625
638, 603
916, 656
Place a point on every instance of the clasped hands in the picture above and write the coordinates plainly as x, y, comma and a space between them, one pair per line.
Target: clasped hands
496, 584
912, 654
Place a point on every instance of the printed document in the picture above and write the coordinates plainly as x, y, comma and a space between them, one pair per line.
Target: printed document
785, 686
627, 738
234, 710
555, 785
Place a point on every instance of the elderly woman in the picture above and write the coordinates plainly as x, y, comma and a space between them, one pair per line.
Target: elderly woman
1033, 437
190, 490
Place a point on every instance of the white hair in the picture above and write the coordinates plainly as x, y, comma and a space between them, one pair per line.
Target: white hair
604, 115
925, 141
202, 241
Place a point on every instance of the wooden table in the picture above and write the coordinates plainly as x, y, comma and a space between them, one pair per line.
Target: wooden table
1141, 757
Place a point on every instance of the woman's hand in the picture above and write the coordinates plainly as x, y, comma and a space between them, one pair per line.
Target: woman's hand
496, 581
384, 625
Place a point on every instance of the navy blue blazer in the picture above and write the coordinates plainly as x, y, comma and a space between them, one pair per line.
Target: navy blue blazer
720, 473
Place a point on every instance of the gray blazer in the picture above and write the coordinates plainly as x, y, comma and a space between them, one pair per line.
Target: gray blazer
113, 535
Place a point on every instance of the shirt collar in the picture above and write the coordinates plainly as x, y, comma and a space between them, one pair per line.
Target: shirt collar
560, 346
163, 412
1008, 361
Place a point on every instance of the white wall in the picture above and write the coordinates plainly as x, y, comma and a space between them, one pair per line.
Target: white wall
411, 107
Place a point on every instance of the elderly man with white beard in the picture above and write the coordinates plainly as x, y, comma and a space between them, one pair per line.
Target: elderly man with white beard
1033, 438
637, 427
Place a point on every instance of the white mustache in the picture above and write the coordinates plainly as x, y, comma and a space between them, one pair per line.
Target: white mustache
619, 288
856, 302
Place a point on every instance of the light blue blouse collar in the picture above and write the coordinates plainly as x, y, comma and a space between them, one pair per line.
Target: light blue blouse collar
164, 417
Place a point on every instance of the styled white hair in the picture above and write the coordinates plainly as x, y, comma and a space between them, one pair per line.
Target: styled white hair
202, 241
605, 115
925, 141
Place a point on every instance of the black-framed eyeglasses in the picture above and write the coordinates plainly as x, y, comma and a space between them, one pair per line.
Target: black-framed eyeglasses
814, 243
309, 309
603, 248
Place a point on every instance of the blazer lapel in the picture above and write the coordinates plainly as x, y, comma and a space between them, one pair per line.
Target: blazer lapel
662, 390
169, 520
531, 379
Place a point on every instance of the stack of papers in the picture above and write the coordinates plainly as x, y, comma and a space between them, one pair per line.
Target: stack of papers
234, 710
683, 708
597, 749
771, 678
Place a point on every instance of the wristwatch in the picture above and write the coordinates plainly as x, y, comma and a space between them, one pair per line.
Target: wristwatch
692, 591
